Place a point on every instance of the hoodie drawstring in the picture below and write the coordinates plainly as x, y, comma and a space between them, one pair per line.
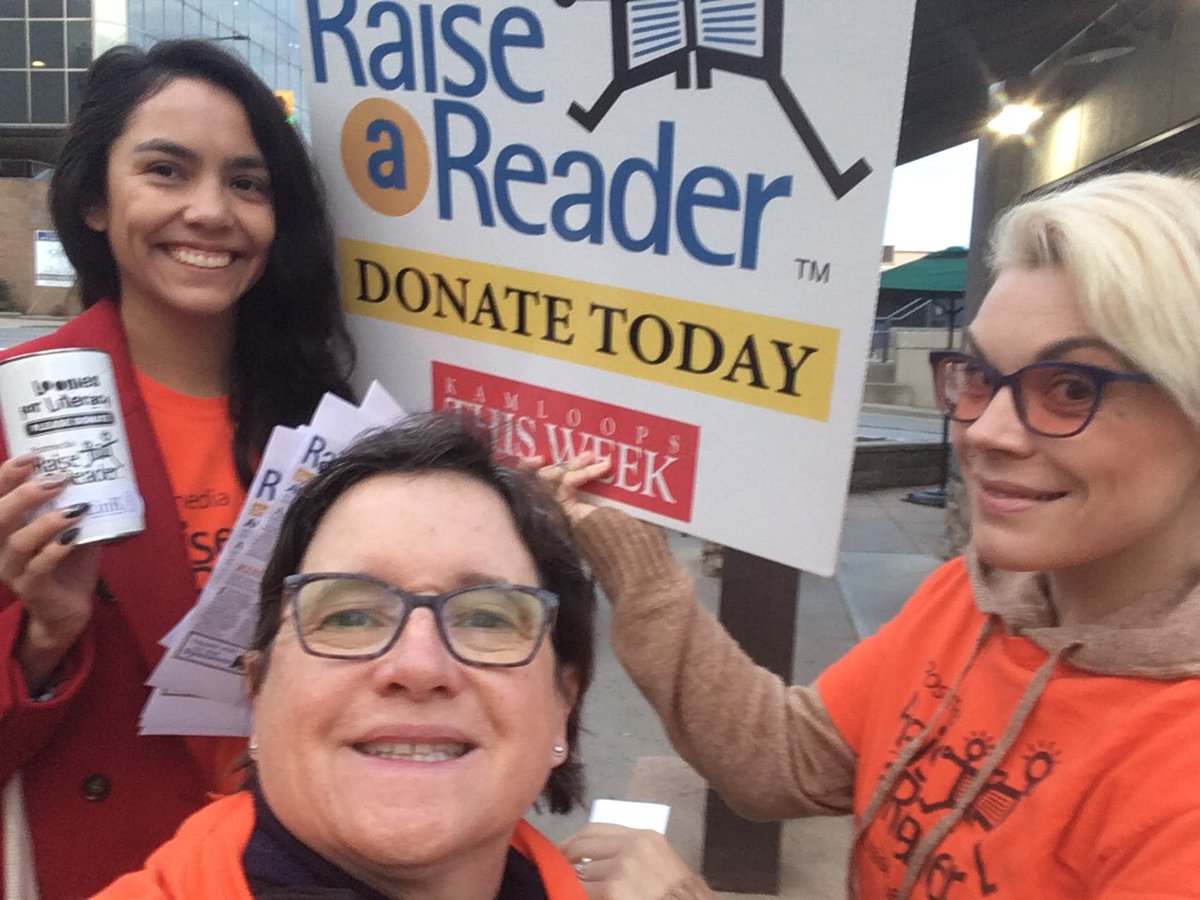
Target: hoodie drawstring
1016, 723
888, 781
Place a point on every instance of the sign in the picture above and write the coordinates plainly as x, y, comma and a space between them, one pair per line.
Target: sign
51, 268
287, 103
649, 228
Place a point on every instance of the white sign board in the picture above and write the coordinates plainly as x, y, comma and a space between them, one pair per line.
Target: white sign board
648, 228
51, 268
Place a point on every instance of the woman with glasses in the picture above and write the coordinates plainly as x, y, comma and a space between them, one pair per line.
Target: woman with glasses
1027, 724
424, 643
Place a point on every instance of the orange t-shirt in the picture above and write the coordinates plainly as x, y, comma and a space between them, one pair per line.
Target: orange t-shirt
195, 436
1097, 797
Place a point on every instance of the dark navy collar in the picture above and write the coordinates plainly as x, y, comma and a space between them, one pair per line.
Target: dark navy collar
279, 866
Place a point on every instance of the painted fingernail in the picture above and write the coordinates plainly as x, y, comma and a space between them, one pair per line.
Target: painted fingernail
74, 512
69, 535
55, 481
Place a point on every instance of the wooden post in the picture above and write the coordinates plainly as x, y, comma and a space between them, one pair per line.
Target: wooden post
757, 607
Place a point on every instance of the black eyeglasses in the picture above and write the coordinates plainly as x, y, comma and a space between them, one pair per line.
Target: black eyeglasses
1053, 399
350, 616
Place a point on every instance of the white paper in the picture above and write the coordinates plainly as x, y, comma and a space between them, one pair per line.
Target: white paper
198, 683
631, 814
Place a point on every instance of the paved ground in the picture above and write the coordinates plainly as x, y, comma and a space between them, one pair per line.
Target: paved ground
888, 547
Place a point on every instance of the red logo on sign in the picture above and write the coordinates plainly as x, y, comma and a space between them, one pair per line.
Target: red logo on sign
653, 459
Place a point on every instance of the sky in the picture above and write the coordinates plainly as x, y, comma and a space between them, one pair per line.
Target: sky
930, 203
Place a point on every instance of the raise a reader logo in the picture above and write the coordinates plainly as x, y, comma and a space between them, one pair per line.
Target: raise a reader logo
655, 38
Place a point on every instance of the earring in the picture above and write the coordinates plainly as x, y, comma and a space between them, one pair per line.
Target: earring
560, 750
252, 747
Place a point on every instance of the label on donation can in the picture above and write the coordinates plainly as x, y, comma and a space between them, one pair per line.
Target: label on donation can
62, 406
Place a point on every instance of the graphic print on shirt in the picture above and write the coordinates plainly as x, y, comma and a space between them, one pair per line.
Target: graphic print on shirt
931, 785
205, 518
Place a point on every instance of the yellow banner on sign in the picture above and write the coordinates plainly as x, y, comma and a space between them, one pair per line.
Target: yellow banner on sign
741, 356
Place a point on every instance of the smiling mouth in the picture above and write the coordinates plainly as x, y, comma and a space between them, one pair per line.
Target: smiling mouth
414, 752
1003, 494
202, 259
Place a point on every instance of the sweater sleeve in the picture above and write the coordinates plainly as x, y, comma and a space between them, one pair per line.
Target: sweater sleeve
27, 723
770, 750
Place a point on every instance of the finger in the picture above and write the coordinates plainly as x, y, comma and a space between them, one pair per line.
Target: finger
53, 553
530, 463
592, 871
27, 542
16, 504
576, 477
14, 471
597, 841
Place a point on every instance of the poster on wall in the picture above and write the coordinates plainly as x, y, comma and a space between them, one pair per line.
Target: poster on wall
51, 268
650, 229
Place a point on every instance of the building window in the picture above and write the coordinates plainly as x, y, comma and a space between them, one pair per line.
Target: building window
45, 9
46, 45
14, 97
47, 95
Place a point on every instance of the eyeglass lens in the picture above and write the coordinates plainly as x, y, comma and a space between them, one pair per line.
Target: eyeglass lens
1051, 399
490, 625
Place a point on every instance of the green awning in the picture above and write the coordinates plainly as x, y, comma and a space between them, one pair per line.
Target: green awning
943, 272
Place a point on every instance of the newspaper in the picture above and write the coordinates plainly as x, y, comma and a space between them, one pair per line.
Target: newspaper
198, 683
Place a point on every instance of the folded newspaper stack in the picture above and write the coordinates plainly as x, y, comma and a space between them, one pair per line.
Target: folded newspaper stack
198, 683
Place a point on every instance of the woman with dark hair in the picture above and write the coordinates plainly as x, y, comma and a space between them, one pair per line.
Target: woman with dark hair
205, 261
424, 643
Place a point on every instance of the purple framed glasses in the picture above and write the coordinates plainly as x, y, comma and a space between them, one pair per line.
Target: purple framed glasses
1052, 399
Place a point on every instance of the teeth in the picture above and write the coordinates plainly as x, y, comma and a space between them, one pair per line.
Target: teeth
414, 752
200, 258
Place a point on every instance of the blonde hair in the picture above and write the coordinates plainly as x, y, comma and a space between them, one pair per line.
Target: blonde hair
1130, 246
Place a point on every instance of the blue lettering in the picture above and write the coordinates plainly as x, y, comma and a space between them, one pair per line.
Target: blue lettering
685, 210
660, 182
270, 481
757, 198
468, 54
316, 455
502, 40
591, 200
428, 56
336, 25
534, 173
386, 165
402, 45
467, 163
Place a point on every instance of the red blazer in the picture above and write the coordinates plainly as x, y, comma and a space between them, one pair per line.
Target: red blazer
99, 797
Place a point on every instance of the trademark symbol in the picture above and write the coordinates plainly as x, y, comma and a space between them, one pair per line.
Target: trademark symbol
812, 269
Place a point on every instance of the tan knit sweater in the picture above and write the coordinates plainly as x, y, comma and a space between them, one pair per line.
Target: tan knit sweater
769, 749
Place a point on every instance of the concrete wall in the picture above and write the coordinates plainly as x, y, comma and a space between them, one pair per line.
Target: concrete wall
910, 350
1124, 102
23, 211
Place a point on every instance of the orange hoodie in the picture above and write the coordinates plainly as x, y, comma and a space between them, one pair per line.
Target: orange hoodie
204, 859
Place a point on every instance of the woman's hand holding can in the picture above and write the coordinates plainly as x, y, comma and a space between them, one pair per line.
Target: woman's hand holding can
54, 579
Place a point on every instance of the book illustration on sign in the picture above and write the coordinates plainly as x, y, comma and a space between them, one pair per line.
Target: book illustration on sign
655, 38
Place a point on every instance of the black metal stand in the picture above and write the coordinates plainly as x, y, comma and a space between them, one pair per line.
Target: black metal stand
758, 607
936, 496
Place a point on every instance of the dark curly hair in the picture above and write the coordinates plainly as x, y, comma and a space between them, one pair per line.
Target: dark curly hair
291, 344
450, 443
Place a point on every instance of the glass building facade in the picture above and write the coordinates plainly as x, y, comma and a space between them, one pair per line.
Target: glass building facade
46, 45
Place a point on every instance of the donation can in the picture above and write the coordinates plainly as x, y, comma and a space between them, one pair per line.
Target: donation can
62, 406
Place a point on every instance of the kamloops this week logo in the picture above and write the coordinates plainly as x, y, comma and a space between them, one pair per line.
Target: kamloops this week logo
452, 55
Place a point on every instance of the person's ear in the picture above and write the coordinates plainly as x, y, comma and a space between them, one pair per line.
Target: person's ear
568, 688
96, 217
